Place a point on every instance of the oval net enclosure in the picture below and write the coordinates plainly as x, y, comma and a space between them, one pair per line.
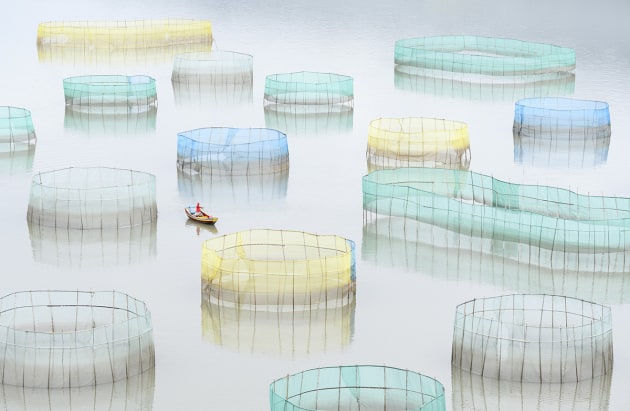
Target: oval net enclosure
419, 141
213, 67
92, 198
110, 93
533, 338
16, 128
357, 387
482, 55
129, 34
62, 339
309, 88
276, 268
232, 151
483, 206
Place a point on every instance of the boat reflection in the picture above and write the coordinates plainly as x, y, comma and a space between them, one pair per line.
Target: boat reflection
75, 248
414, 246
473, 392
293, 332
133, 393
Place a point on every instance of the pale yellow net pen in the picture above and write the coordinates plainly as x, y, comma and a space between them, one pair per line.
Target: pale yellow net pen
278, 268
399, 142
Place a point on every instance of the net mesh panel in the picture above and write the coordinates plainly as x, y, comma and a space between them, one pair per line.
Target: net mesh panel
135, 41
473, 392
278, 268
292, 332
232, 151
483, 87
419, 141
92, 198
483, 55
414, 246
533, 338
359, 387
213, 78
110, 92
309, 88
16, 128
217, 66
58, 339
482, 206
557, 131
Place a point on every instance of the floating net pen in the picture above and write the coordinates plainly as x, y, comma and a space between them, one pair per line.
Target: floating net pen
276, 268
110, 93
418, 247
132, 393
121, 41
533, 338
16, 128
483, 87
471, 392
561, 118
62, 339
357, 387
232, 151
92, 198
309, 88
419, 141
483, 55
292, 332
482, 206
217, 66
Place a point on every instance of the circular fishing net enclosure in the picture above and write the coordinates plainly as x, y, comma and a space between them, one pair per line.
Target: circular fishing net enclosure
92, 198
290, 332
482, 55
232, 151
399, 142
482, 206
533, 338
110, 93
278, 268
309, 88
472, 392
16, 128
560, 117
357, 387
217, 66
103, 42
61, 339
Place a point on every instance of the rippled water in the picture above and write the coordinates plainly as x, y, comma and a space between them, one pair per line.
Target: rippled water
407, 284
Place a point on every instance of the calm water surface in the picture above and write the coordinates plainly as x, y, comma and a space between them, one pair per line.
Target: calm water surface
407, 288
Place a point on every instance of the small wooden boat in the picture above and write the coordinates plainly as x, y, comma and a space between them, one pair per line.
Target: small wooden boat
200, 216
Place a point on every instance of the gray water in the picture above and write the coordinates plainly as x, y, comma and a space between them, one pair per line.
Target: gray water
406, 291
